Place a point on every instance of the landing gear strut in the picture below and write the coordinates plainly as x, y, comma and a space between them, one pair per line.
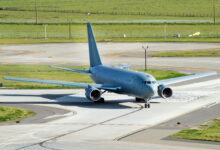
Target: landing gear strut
147, 103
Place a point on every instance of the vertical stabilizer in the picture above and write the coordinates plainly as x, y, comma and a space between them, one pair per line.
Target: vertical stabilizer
93, 50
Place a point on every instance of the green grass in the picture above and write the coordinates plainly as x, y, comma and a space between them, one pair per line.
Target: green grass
101, 10
12, 113
11, 33
162, 74
212, 53
208, 132
47, 73
39, 72
22, 14
32, 41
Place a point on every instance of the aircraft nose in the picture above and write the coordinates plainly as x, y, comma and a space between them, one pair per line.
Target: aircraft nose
150, 91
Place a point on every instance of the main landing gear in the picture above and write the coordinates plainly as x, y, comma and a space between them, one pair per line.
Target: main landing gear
146, 100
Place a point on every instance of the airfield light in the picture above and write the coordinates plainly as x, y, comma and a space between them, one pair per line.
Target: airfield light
165, 31
36, 13
145, 54
214, 11
70, 36
45, 32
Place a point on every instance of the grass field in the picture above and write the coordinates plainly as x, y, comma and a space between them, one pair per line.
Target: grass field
212, 53
47, 73
102, 10
31, 41
12, 113
209, 132
20, 17
114, 32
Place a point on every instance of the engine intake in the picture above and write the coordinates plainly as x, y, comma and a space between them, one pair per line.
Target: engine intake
93, 94
164, 91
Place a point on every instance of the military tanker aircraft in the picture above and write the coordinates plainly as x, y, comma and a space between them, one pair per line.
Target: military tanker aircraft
119, 80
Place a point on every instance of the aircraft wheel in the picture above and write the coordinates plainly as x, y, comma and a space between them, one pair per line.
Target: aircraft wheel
146, 105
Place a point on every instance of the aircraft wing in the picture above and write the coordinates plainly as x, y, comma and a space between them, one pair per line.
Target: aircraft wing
83, 85
185, 78
74, 70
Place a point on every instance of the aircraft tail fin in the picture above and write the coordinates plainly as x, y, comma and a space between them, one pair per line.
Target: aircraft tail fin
94, 56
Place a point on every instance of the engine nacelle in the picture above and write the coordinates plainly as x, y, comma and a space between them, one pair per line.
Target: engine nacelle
164, 91
93, 94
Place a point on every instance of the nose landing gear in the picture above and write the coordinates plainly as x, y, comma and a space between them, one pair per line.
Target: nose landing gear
147, 102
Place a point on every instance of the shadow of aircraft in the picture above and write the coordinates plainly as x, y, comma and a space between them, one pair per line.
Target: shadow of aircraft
74, 101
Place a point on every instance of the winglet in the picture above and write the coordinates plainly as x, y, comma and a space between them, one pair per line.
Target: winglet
94, 56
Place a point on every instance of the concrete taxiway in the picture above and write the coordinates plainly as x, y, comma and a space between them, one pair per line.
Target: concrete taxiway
66, 120
94, 126
111, 53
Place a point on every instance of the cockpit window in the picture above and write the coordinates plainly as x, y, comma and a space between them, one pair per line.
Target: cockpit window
149, 82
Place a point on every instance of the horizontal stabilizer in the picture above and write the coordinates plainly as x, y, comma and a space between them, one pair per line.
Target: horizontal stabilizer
123, 66
186, 78
73, 70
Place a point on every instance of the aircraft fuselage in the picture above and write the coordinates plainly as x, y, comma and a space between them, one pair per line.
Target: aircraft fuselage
133, 83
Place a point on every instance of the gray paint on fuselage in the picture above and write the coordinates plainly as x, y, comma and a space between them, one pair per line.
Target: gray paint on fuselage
130, 81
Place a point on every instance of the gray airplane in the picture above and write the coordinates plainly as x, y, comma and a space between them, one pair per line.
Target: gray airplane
119, 80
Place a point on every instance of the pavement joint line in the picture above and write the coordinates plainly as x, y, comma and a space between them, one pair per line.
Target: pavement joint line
152, 66
64, 115
30, 63
131, 133
74, 131
194, 68
141, 107
61, 63
125, 124
182, 67
147, 127
210, 105
191, 140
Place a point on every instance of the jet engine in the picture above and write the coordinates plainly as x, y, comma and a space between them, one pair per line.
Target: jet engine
164, 91
93, 94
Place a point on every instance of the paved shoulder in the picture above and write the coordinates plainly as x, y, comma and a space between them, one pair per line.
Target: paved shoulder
43, 113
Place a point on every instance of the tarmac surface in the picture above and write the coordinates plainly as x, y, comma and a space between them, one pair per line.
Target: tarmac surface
67, 120
111, 53
159, 134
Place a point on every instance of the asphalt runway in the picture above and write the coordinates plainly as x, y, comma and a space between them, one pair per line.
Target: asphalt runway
67, 119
